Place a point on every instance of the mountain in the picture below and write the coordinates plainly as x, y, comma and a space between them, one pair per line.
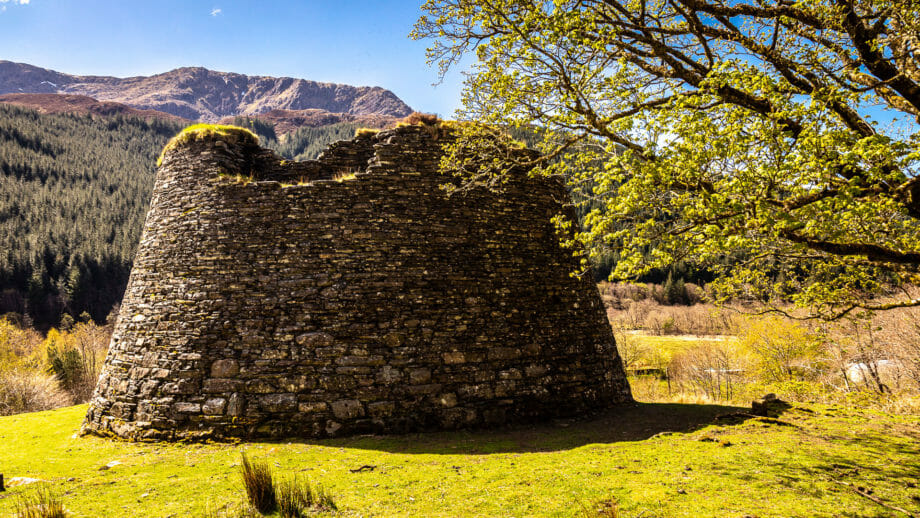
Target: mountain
200, 94
81, 104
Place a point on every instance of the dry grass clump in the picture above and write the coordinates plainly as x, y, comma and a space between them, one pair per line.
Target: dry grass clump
425, 119
40, 502
259, 484
297, 498
292, 497
344, 176
365, 132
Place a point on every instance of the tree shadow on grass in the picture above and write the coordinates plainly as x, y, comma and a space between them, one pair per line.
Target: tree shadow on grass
632, 422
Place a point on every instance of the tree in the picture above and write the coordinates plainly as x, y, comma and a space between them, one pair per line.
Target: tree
773, 142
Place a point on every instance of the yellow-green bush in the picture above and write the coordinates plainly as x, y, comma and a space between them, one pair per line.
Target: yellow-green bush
782, 349
39, 374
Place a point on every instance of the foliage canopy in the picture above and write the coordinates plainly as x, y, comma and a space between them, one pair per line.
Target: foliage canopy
774, 142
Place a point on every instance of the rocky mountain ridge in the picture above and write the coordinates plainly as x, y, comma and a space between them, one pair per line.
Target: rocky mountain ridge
197, 93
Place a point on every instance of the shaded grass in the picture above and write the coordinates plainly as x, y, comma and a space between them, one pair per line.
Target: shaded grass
663, 460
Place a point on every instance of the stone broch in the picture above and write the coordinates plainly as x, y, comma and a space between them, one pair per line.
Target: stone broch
272, 298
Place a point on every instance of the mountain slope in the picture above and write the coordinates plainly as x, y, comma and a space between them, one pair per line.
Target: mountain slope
81, 104
201, 94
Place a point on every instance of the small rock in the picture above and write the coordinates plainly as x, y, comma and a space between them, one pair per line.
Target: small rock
22, 481
681, 491
769, 406
110, 465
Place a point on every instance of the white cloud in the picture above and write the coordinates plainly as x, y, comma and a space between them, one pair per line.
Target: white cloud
214, 12
14, 2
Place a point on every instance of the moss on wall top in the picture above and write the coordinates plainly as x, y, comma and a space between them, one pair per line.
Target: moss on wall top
195, 132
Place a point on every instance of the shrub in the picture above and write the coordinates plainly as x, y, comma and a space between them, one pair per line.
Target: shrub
24, 390
75, 357
632, 352
259, 484
783, 349
41, 502
711, 368
63, 359
17, 345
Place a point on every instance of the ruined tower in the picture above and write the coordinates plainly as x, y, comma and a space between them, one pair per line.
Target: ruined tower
347, 295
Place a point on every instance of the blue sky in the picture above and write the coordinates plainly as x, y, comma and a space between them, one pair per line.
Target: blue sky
356, 42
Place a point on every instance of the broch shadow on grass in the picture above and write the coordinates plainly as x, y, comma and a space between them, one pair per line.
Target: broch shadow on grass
633, 422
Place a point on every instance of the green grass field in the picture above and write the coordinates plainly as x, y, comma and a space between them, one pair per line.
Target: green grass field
662, 460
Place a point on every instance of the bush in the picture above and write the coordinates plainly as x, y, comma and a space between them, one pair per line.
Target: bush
711, 368
632, 352
783, 349
23, 390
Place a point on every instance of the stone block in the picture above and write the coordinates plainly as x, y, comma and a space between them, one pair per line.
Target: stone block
214, 406
347, 409
187, 408
419, 375
454, 357
315, 340
278, 403
310, 407
381, 408
388, 375
218, 386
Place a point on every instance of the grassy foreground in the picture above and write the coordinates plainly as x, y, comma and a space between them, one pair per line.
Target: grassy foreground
651, 459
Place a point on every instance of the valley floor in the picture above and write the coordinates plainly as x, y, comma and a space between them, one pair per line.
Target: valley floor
649, 459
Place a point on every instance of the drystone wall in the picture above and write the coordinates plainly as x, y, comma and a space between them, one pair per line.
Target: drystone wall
369, 304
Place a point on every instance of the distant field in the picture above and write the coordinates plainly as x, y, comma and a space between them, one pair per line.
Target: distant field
653, 460
670, 344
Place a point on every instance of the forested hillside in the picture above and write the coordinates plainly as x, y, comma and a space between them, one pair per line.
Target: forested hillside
304, 143
73, 195
74, 190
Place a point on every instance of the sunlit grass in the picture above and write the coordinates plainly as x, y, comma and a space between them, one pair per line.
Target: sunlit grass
652, 460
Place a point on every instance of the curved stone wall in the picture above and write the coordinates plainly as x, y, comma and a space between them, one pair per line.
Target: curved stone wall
369, 304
